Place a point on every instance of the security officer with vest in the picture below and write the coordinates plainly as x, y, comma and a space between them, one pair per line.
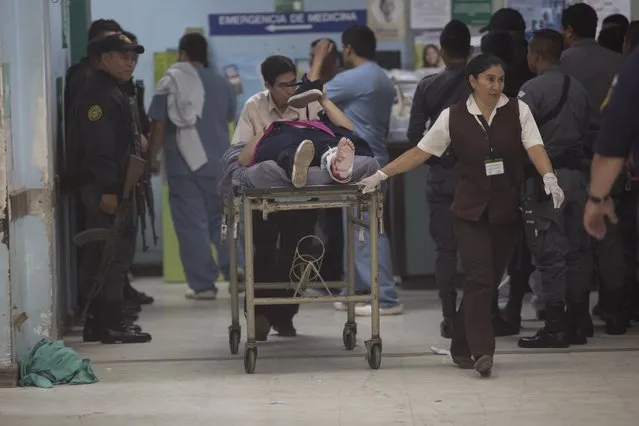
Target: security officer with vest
433, 94
556, 238
102, 123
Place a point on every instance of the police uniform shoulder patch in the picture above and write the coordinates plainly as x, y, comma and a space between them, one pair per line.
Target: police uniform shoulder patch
521, 94
95, 113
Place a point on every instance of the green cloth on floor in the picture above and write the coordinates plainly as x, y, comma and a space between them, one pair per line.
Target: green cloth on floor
50, 363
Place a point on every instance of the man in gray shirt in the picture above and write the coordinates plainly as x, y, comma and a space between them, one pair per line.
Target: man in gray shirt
592, 65
194, 199
557, 241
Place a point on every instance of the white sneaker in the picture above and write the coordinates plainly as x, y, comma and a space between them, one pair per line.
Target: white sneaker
302, 161
200, 295
366, 310
341, 306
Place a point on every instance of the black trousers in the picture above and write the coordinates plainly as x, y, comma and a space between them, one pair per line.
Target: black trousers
330, 221
485, 249
272, 261
91, 254
281, 144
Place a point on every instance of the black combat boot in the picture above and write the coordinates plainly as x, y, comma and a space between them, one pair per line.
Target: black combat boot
577, 323
112, 328
553, 334
613, 314
449, 307
92, 326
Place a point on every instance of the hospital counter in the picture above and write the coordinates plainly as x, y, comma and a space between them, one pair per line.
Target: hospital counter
407, 219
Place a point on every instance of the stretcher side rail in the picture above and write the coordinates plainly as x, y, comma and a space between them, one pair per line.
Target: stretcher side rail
243, 202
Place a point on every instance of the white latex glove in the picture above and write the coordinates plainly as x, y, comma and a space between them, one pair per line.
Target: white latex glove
371, 183
552, 188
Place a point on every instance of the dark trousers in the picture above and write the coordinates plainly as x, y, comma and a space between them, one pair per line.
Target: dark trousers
443, 234
485, 249
330, 221
91, 254
627, 213
281, 144
558, 241
273, 263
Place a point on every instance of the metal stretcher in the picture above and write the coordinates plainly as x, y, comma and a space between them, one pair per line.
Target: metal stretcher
286, 198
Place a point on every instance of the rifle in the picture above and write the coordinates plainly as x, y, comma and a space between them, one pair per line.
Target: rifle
144, 199
113, 236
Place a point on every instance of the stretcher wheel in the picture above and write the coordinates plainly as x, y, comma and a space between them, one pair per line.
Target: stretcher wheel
349, 337
234, 341
250, 357
374, 356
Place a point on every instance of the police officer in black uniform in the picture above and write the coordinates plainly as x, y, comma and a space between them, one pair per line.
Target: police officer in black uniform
134, 299
102, 122
77, 74
557, 240
434, 94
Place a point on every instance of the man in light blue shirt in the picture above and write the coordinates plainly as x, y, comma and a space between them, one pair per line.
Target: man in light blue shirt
194, 199
366, 94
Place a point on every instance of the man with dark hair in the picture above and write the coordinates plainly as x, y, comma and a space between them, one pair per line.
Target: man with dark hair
329, 68
366, 94
612, 37
511, 21
190, 112
631, 40
101, 123
595, 67
272, 262
500, 44
556, 239
579, 28
435, 93
616, 19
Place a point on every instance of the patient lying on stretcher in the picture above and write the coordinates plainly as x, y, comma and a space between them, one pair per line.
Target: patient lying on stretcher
297, 146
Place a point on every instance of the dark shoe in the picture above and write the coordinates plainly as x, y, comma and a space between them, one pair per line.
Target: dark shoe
307, 92
110, 326
122, 334
612, 313
577, 329
262, 328
484, 365
503, 327
143, 298
446, 328
285, 329
464, 362
91, 330
552, 335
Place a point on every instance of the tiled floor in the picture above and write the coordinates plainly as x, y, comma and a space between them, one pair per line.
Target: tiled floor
187, 377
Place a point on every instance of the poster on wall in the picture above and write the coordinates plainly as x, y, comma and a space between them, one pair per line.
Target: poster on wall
539, 14
161, 62
472, 12
428, 58
386, 19
232, 74
429, 14
606, 8
289, 5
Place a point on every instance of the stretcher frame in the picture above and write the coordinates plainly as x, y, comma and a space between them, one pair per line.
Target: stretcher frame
244, 202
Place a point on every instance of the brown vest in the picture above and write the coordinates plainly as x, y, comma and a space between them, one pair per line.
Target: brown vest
477, 193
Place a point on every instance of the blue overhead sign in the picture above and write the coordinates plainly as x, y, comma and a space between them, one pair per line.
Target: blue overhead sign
285, 23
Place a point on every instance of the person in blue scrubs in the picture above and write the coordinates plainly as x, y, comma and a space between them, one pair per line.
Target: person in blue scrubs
366, 94
194, 199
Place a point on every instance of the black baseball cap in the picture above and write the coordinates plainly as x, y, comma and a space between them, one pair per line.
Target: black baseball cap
506, 19
113, 43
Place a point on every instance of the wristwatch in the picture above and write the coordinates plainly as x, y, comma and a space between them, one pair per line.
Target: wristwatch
598, 200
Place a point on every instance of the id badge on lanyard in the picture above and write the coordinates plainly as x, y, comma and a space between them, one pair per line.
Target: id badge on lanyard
494, 164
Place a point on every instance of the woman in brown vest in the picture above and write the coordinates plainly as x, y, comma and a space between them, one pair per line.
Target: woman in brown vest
490, 134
